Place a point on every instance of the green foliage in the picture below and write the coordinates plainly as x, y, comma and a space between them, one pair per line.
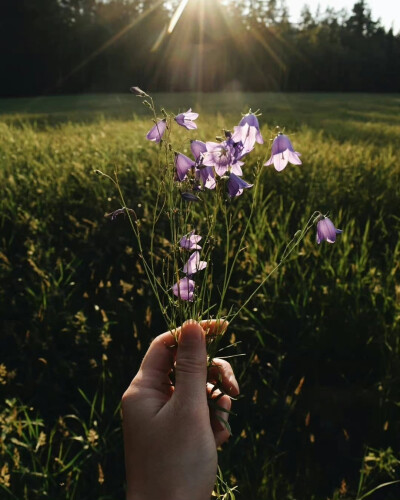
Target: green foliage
321, 337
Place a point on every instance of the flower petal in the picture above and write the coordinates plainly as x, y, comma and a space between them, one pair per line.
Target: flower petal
198, 148
185, 119
194, 264
281, 160
236, 185
156, 133
326, 231
294, 158
189, 242
183, 164
184, 289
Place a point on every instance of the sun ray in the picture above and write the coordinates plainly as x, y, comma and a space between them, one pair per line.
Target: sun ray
177, 15
110, 42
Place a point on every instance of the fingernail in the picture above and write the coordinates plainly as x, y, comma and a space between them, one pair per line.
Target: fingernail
191, 333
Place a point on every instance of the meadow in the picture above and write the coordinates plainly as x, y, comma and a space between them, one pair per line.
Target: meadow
319, 415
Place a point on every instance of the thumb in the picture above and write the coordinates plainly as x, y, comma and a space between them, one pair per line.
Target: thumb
191, 363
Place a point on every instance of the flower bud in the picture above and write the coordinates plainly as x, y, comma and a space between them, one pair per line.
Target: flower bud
138, 92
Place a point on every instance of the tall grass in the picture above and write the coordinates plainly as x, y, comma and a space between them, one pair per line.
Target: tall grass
320, 379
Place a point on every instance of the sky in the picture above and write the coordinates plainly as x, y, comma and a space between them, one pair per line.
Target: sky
387, 10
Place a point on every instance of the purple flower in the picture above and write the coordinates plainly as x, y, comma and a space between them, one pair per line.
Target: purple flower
223, 157
186, 119
282, 153
204, 174
183, 164
248, 132
189, 242
156, 133
184, 289
206, 177
236, 185
194, 264
198, 149
327, 231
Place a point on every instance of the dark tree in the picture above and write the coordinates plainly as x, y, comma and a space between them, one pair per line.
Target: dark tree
67, 46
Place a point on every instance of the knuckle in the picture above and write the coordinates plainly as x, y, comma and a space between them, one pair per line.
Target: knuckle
188, 364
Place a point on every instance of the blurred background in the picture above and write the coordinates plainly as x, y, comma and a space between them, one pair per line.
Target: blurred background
75, 46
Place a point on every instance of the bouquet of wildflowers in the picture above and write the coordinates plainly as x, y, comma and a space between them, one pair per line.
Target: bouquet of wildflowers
196, 196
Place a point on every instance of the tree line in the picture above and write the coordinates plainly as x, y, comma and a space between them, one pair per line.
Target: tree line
73, 46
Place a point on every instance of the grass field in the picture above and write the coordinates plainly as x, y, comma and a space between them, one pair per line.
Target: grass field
320, 412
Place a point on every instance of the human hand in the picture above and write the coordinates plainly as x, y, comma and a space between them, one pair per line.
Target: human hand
170, 435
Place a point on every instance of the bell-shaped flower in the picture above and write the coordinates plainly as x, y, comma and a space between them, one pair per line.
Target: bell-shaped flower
204, 174
236, 185
327, 231
156, 133
282, 153
198, 148
189, 242
183, 164
223, 157
194, 264
206, 177
186, 119
248, 132
184, 289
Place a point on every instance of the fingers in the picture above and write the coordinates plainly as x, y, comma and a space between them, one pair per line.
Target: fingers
220, 372
191, 363
218, 404
157, 364
214, 326
159, 355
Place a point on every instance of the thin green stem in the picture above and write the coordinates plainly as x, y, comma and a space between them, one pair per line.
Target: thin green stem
287, 252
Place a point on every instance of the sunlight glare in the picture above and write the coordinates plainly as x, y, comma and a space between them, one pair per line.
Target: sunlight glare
177, 15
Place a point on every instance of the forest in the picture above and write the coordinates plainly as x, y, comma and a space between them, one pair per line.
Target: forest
83, 46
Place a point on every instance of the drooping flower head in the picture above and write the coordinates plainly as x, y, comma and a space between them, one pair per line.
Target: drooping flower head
194, 264
186, 119
236, 185
189, 242
204, 175
156, 133
183, 164
282, 153
327, 231
248, 132
138, 91
184, 289
198, 148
